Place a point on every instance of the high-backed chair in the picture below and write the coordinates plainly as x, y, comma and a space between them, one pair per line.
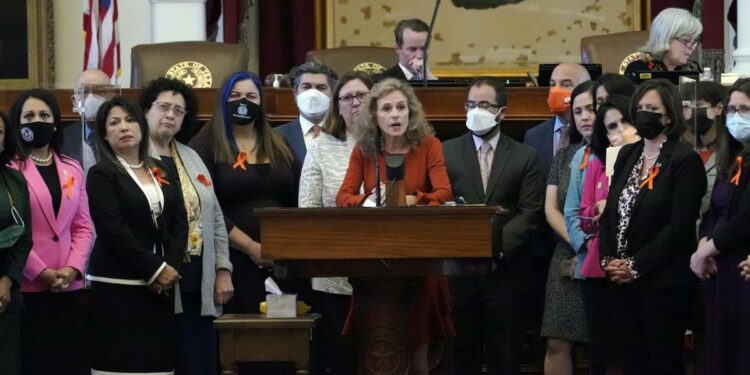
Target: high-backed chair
614, 51
345, 59
198, 64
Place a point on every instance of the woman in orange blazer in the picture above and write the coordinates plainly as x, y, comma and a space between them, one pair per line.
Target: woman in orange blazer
61, 234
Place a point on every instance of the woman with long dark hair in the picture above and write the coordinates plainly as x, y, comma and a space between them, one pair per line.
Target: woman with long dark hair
62, 234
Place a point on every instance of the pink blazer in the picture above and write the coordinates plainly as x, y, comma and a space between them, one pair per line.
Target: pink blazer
59, 240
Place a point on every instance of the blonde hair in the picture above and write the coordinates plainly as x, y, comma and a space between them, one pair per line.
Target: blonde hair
368, 133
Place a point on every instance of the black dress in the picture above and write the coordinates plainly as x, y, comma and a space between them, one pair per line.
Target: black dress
239, 193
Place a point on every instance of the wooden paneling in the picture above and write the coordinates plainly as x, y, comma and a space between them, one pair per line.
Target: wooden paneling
444, 107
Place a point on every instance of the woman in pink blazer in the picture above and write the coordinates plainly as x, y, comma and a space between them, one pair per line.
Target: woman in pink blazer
61, 233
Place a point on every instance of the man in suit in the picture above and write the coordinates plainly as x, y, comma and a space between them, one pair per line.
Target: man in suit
92, 88
411, 38
486, 166
552, 135
312, 84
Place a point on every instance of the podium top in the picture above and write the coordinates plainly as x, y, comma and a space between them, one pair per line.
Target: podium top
377, 233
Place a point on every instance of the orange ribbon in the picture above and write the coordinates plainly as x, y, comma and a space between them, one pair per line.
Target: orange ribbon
736, 178
585, 161
240, 163
69, 187
203, 180
157, 175
651, 175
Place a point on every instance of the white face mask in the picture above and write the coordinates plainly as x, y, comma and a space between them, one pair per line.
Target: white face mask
480, 121
739, 127
313, 103
91, 105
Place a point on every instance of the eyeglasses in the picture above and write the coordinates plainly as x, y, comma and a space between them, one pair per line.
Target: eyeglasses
689, 43
360, 96
166, 107
742, 109
483, 105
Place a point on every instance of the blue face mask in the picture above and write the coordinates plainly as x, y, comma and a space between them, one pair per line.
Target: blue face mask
739, 127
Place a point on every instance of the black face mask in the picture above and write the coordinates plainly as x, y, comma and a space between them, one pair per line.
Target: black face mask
648, 124
702, 122
37, 134
243, 111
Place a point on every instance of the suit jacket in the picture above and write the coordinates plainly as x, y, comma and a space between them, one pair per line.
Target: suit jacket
292, 131
76, 148
515, 184
661, 234
734, 235
394, 72
126, 233
63, 238
13, 259
542, 139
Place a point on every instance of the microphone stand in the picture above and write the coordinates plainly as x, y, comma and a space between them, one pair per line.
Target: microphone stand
427, 43
377, 172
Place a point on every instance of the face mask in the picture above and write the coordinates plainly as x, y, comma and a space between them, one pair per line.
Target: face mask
480, 121
648, 124
37, 134
558, 100
702, 122
91, 105
739, 127
313, 103
243, 111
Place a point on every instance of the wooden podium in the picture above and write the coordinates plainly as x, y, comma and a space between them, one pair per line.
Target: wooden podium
383, 251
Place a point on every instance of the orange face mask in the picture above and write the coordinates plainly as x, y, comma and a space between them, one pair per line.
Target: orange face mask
558, 100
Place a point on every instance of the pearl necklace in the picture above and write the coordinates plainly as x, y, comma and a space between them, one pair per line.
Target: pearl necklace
136, 166
41, 161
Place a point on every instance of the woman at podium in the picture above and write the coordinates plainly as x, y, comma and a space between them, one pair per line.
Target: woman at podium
392, 122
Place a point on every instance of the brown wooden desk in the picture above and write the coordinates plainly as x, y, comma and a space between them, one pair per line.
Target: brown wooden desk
254, 337
527, 106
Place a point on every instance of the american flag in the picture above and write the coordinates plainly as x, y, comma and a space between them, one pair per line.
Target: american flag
102, 37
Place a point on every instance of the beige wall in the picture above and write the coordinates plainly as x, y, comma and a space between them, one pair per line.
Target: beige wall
135, 28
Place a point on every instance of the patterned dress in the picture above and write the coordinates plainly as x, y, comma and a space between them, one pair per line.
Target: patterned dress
564, 315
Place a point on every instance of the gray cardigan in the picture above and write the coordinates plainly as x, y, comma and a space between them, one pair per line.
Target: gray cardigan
215, 252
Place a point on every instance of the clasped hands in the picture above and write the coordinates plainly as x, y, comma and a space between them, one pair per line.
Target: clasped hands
167, 278
702, 262
59, 280
619, 271
416, 65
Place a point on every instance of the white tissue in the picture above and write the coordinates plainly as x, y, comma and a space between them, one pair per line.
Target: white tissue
272, 287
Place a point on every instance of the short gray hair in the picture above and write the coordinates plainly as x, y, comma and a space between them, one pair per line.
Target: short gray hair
312, 67
671, 23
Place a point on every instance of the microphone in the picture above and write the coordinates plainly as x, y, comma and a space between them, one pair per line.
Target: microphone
379, 148
427, 43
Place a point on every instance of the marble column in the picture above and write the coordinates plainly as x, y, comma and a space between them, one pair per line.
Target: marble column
742, 53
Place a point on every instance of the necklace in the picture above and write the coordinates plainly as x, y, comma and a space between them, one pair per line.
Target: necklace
136, 166
42, 160
650, 157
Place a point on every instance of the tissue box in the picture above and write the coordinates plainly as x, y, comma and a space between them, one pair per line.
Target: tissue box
281, 306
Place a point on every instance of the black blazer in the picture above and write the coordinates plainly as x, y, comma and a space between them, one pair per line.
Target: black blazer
661, 234
394, 72
515, 184
542, 139
735, 234
292, 132
13, 259
125, 230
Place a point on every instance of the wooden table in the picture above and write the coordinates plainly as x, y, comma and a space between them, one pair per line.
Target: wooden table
256, 338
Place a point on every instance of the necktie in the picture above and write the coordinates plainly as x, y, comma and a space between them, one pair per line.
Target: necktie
564, 138
90, 141
485, 162
315, 131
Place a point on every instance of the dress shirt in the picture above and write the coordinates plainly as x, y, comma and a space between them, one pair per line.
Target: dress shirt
558, 134
307, 131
